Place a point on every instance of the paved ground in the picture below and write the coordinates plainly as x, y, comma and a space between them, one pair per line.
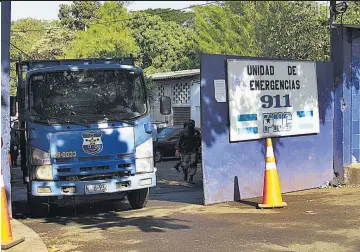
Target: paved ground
316, 220
32, 240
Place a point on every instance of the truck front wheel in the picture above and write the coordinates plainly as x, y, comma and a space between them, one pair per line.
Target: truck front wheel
138, 198
39, 208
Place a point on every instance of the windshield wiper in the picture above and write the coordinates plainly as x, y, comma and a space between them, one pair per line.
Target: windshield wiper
66, 120
119, 120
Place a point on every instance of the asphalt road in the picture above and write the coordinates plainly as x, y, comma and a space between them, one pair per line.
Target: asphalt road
316, 220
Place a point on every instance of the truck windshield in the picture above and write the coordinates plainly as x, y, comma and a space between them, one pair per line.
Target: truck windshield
90, 95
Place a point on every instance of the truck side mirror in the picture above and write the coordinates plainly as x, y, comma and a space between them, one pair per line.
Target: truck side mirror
149, 127
12, 105
165, 105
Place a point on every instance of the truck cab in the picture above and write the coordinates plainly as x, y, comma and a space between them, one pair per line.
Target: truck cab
85, 132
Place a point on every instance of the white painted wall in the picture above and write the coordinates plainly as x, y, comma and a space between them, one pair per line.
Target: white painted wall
195, 104
168, 91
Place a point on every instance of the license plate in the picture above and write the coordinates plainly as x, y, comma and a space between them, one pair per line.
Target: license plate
96, 188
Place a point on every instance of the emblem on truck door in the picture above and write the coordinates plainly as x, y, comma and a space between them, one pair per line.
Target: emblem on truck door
92, 143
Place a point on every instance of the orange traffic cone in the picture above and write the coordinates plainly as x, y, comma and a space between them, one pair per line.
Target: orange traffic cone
7, 240
272, 193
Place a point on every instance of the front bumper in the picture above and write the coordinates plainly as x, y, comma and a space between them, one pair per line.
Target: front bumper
124, 184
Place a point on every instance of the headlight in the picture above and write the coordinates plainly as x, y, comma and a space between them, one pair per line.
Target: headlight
144, 162
44, 172
39, 157
145, 150
144, 165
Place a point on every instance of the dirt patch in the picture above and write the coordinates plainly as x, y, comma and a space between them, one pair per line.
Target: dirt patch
315, 220
174, 183
314, 247
226, 208
329, 191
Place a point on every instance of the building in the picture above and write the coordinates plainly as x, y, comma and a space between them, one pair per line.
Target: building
183, 87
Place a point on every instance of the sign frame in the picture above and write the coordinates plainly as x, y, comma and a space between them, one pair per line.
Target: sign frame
271, 98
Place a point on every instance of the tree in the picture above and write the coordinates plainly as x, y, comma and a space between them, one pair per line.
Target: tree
78, 14
220, 31
108, 38
151, 91
166, 45
53, 42
24, 34
352, 14
183, 18
293, 30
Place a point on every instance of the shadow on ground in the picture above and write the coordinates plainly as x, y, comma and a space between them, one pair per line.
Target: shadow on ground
102, 215
172, 187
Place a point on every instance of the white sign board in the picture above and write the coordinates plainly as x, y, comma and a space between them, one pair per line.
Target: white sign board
220, 90
272, 98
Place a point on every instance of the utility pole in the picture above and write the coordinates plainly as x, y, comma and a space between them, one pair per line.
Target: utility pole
332, 13
332, 21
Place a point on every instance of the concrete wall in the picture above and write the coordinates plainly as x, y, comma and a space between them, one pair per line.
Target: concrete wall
5, 94
168, 85
236, 170
195, 104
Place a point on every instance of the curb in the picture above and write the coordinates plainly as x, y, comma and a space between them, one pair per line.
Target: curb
32, 242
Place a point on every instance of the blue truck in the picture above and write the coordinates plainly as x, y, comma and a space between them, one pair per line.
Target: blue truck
85, 132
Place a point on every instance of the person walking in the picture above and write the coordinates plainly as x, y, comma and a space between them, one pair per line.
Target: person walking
178, 164
14, 148
188, 145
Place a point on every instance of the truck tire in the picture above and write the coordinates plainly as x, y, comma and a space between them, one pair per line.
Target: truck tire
39, 208
138, 198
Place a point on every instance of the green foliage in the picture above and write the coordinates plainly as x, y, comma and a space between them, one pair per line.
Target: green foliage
78, 14
183, 18
53, 42
294, 30
286, 29
151, 92
352, 15
165, 44
106, 39
24, 41
169, 40
220, 31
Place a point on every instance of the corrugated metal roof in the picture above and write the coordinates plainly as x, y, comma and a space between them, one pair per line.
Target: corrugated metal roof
176, 74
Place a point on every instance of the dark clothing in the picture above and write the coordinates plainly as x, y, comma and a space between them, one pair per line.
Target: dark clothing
188, 145
14, 156
189, 162
177, 165
14, 147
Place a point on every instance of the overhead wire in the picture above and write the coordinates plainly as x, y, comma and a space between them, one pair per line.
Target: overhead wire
17, 48
118, 20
